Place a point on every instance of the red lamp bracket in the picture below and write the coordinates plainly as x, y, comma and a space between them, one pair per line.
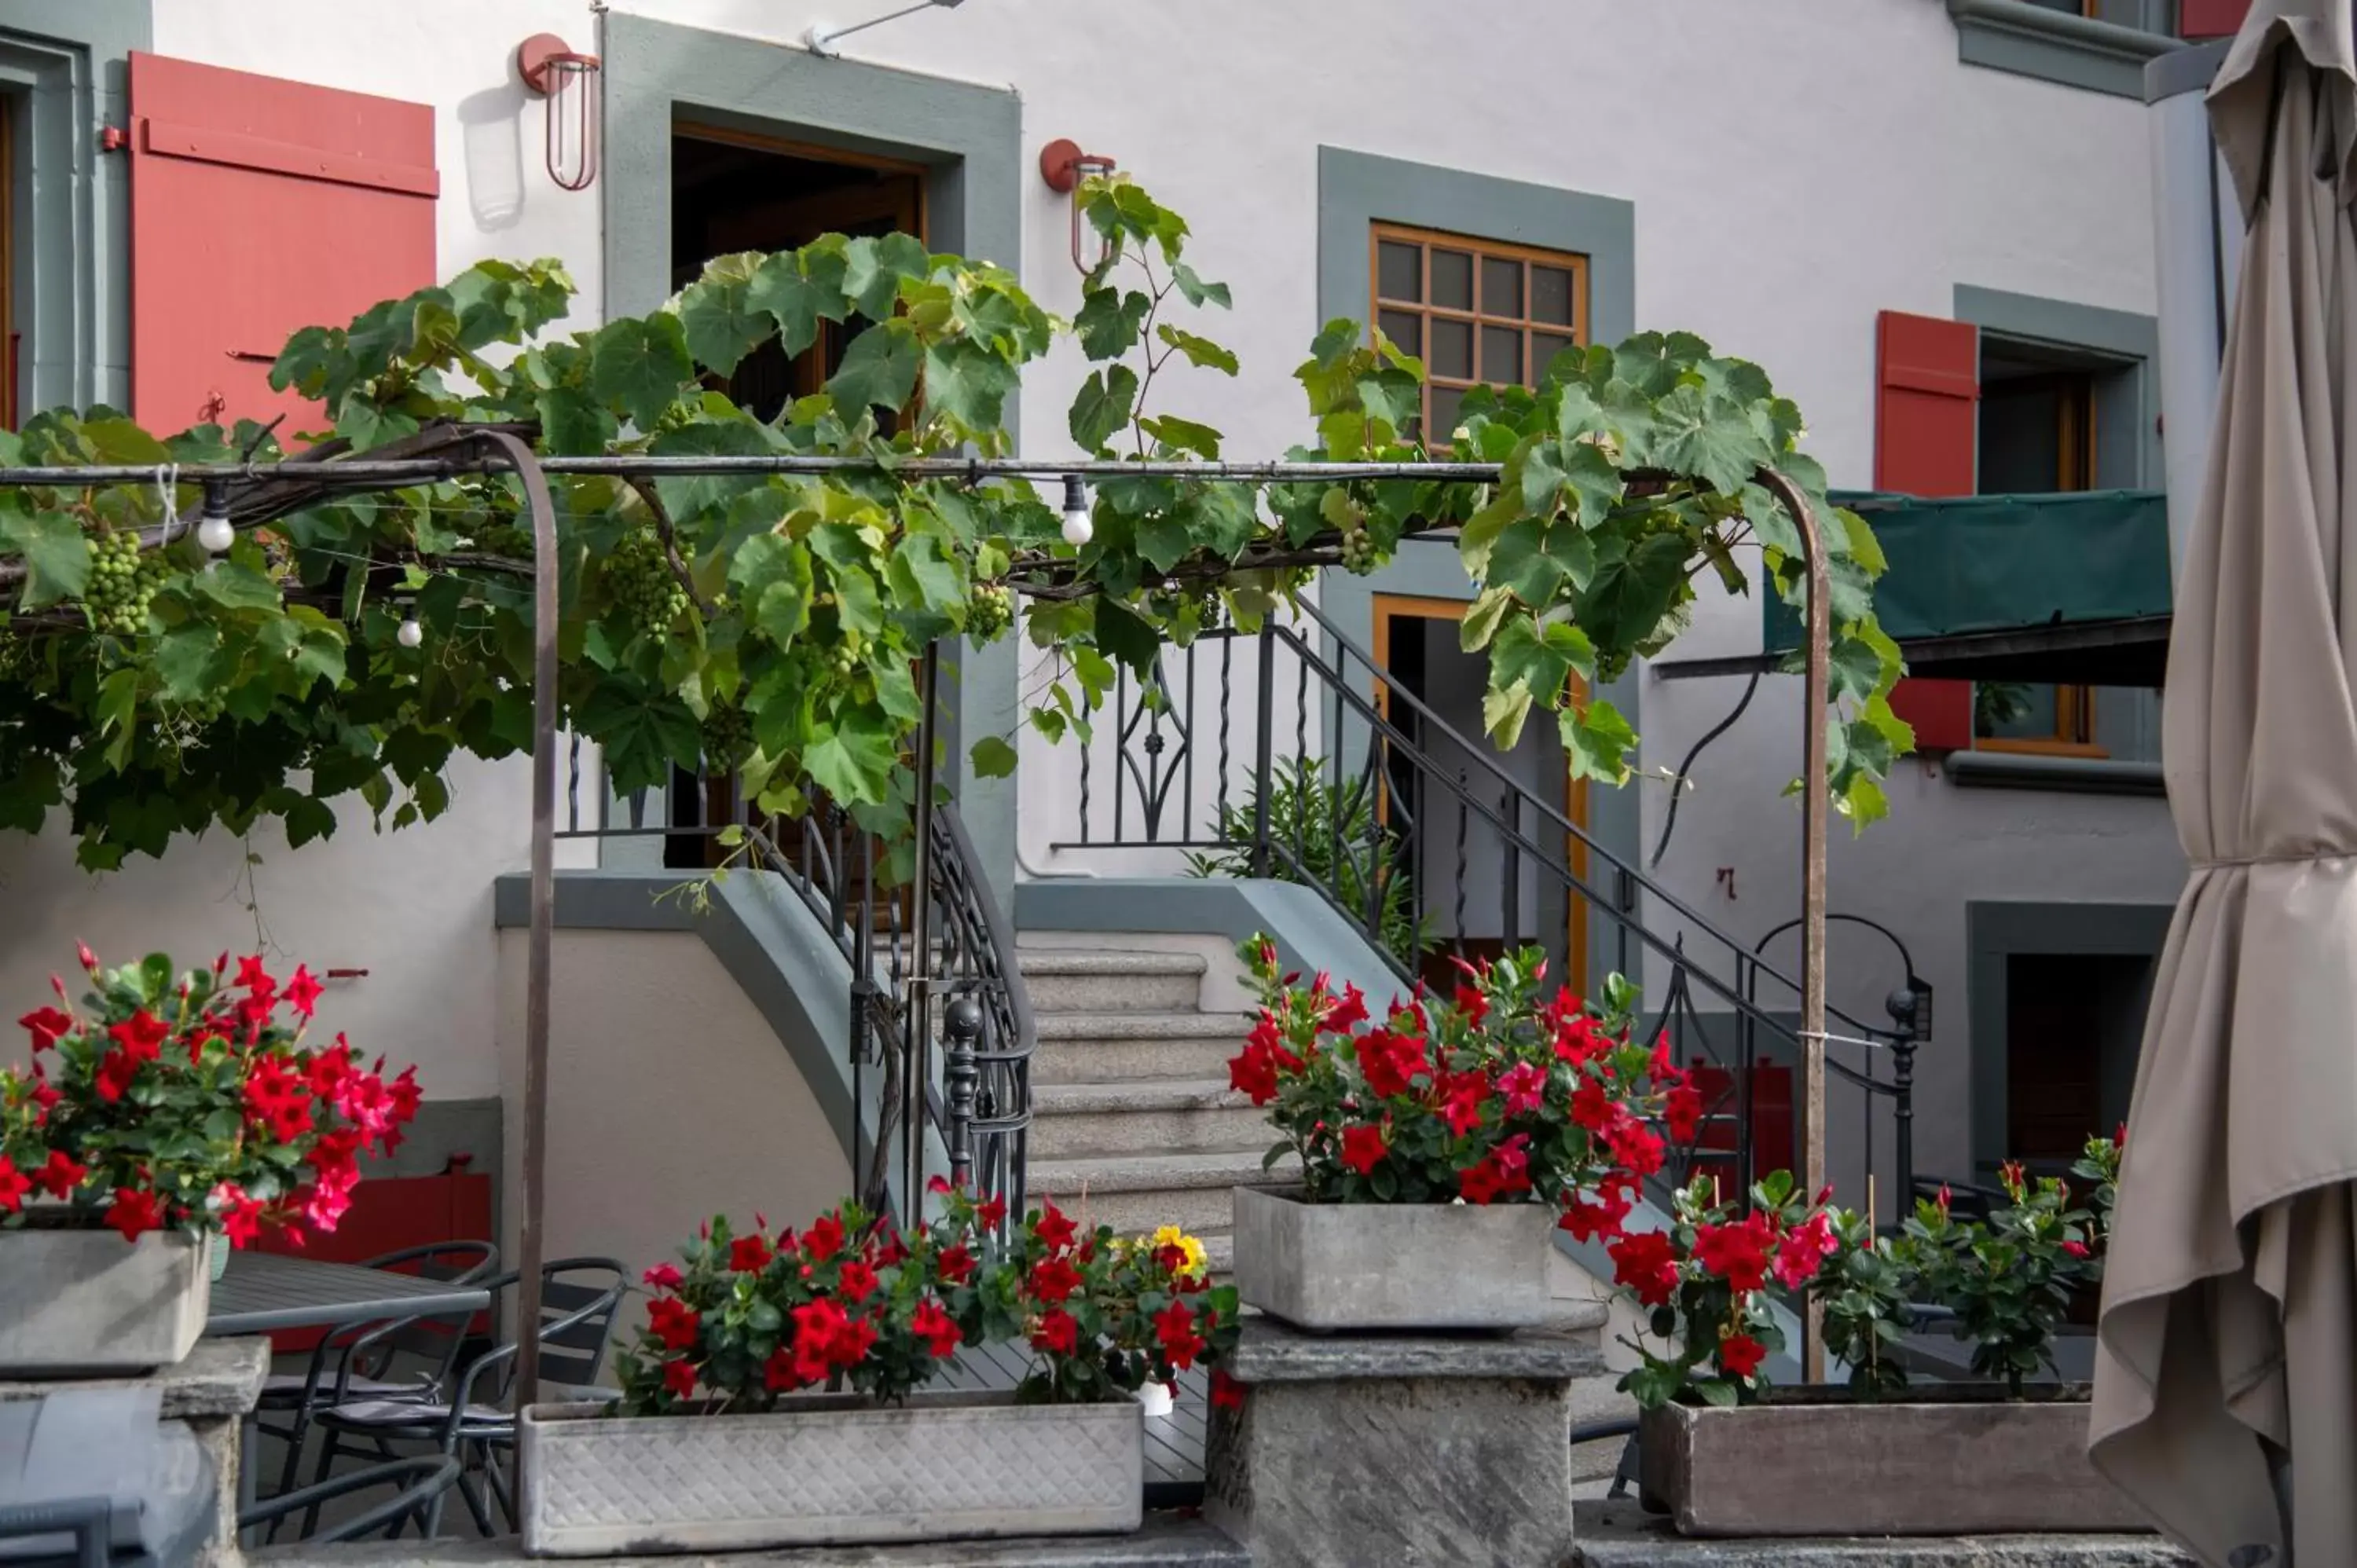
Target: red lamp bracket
543, 60
1062, 165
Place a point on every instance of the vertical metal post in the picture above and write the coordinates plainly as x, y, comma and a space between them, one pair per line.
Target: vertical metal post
1264, 748
917, 1028
544, 910
962, 1027
1903, 1078
1813, 866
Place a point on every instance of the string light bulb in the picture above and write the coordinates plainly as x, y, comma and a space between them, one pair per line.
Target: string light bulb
411, 634
1078, 529
214, 533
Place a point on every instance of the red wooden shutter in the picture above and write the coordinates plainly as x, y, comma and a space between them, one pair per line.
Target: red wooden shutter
259, 205
2211, 18
1926, 443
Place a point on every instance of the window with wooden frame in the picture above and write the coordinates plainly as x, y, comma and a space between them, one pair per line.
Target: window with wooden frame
1475, 311
2036, 437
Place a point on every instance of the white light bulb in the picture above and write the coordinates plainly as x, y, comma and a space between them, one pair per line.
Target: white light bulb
411, 634
216, 534
1078, 530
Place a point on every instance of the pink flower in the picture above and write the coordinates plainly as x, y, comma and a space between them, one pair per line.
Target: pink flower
663, 1276
1524, 1087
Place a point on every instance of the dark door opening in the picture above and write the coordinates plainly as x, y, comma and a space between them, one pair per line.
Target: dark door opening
2073, 1024
1478, 893
732, 192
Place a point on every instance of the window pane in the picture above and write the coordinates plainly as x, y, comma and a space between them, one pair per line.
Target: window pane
1501, 288
1399, 270
1501, 355
1452, 280
1406, 329
2008, 710
1452, 349
1443, 415
1544, 347
1551, 296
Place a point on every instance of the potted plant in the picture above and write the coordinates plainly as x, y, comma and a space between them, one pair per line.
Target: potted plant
786, 1375
1438, 1148
1725, 1454
159, 1115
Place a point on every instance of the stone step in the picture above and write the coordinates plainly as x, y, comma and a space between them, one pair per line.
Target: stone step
1099, 1048
1144, 1116
1097, 981
1135, 1194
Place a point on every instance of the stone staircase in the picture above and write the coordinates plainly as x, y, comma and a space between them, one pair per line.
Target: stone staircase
1133, 1120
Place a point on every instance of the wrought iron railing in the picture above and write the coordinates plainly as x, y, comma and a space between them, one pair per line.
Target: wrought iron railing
947, 1004
1294, 753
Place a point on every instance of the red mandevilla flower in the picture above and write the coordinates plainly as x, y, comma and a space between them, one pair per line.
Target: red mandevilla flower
823, 1240
1342, 1016
1053, 1281
61, 1173
855, 1280
13, 1186
663, 1276
679, 1377
134, 1213
1054, 1230
937, 1328
1740, 1354
1058, 1333
955, 1265
1647, 1264
1589, 1218
1363, 1148
1174, 1330
1462, 1096
674, 1323
303, 992
750, 1254
1226, 1392
1737, 1252
1524, 1087
1681, 1113
47, 1025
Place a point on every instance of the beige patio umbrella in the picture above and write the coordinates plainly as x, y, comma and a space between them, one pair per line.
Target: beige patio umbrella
2229, 1331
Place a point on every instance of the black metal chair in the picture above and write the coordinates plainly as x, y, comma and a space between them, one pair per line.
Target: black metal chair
579, 1298
421, 1478
356, 1362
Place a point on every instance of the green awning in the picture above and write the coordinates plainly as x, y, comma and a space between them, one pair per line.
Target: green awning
2057, 587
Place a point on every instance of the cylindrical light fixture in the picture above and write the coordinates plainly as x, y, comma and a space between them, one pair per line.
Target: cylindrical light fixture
567, 81
1063, 166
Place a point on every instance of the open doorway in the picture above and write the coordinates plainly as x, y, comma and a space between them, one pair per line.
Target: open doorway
734, 191
1478, 895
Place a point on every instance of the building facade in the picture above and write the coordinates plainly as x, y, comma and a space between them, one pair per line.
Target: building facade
1803, 184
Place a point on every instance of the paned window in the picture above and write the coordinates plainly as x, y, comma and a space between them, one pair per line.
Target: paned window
1475, 311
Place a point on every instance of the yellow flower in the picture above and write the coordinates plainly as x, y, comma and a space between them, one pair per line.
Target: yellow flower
1189, 1249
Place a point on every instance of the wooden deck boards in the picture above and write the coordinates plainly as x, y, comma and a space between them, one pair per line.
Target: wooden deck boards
1174, 1443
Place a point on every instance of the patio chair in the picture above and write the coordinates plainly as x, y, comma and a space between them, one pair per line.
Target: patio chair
421, 1480
579, 1297
356, 1362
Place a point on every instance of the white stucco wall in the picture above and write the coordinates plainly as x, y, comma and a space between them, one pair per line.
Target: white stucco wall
1795, 168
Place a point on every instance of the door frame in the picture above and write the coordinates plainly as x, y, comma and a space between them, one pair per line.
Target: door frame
1385, 607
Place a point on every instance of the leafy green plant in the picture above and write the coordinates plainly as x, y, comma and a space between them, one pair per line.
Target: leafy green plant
1329, 838
148, 692
1997, 704
1867, 1293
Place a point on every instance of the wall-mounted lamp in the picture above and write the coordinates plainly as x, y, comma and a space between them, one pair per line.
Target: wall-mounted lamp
1063, 166
567, 81
825, 41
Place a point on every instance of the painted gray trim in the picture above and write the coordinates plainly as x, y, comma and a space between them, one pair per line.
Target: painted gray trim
970, 138
2120, 341
1995, 931
2059, 775
68, 60
2054, 45
1356, 190
2180, 72
770, 944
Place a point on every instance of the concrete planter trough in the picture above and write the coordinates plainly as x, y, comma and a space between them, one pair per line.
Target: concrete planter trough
1404, 1267
1952, 1459
87, 1302
830, 1470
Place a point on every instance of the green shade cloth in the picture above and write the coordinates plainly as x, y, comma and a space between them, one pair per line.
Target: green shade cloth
1987, 563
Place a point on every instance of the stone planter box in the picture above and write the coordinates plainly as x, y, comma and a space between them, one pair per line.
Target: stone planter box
831, 1470
88, 1303
1958, 1459
1401, 1267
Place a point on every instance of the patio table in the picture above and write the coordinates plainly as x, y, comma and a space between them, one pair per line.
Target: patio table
262, 1290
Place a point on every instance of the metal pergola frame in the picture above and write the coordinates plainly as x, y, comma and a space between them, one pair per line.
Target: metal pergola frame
510, 454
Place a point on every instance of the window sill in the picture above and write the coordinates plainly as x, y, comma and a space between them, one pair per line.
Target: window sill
2062, 775
2054, 45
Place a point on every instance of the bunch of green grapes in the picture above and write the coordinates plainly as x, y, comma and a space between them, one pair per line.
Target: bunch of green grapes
989, 612
122, 584
848, 654
643, 583
1359, 552
727, 738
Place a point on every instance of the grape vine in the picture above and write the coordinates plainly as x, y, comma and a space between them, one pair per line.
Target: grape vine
771, 621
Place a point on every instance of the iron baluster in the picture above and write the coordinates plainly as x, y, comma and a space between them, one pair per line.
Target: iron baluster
1511, 873
1227, 706
1461, 864
1263, 747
